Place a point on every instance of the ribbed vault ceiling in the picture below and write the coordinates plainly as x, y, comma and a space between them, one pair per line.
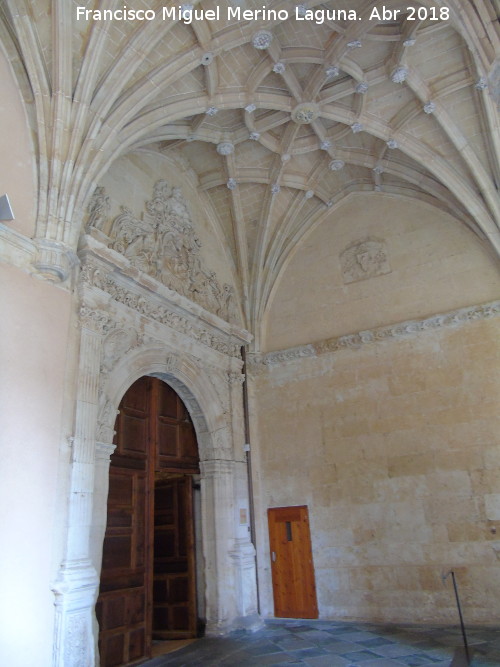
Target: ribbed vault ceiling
280, 120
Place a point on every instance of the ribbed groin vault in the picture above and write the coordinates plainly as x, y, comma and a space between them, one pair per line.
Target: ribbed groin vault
289, 213
278, 120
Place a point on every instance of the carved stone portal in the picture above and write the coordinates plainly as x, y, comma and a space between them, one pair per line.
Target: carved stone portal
364, 259
162, 243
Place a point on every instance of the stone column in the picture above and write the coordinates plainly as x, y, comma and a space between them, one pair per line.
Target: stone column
230, 575
77, 583
218, 534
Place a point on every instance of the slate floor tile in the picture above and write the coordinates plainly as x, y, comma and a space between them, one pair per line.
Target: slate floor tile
393, 650
336, 644
360, 656
381, 662
340, 647
417, 660
328, 661
376, 641
357, 636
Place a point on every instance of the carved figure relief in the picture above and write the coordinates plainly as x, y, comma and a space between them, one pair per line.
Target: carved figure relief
163, 243
98, 208
364, 259
116, 345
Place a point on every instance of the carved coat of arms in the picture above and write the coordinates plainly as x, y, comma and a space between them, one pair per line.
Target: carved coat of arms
364, 259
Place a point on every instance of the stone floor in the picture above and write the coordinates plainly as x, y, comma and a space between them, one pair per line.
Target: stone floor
338, 644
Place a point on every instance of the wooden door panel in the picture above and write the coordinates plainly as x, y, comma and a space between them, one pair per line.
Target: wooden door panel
292, 567
174, 597
121, 610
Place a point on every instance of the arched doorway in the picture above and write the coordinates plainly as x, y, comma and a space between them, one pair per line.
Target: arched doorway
148, 588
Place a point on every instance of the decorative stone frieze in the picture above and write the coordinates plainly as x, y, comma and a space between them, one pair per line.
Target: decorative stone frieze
354, 341
161, 306
95, 320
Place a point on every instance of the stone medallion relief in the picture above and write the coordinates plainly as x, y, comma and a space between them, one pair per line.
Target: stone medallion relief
364, 259
162, 242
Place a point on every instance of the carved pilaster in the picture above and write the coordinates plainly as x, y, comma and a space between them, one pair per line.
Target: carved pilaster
75, 594
77, 582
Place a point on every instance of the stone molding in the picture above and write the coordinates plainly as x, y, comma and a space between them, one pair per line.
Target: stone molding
44, 258
354, 341
15, 248
111, 273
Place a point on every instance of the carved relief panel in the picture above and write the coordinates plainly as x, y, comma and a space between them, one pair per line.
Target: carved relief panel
162, 242
364, 259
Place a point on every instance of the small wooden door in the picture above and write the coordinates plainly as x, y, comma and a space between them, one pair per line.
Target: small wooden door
174, 594
292, 568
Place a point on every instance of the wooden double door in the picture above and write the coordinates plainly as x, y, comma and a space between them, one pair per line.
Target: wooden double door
148, 588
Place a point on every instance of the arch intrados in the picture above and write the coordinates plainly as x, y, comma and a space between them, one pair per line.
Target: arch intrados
182, 374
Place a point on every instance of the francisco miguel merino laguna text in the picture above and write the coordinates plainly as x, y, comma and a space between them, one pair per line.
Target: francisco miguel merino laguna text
188, 14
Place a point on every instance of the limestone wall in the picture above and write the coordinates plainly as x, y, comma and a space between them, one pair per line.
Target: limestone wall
394, 446
377, 259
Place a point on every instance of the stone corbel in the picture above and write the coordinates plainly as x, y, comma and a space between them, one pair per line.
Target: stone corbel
54, 261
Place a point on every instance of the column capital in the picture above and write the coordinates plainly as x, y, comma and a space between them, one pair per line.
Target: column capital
104, 450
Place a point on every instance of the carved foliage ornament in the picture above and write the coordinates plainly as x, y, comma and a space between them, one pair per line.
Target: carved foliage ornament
162, 243
95, 278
